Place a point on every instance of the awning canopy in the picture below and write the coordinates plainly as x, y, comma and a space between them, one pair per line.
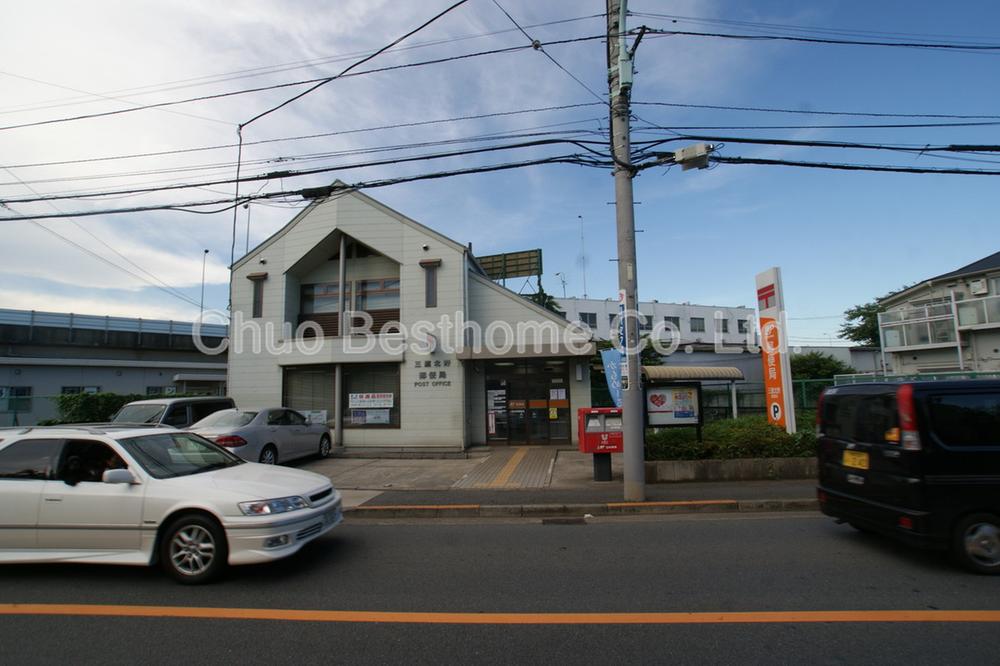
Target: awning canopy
668, 373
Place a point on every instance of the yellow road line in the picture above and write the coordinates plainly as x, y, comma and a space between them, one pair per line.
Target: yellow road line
766, 617
508, 470
396, 507
674, 503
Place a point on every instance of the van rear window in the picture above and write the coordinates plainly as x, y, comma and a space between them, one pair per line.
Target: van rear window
859, 418
966, 419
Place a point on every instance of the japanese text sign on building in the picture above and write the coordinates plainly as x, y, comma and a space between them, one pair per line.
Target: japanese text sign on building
369, 400
774, 350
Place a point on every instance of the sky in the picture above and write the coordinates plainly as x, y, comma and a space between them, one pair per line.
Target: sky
840, 237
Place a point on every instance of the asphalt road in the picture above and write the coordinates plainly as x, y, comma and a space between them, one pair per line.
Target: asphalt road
710, 564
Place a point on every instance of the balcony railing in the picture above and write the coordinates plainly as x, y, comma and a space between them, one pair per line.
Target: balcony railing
979, 312
382, 321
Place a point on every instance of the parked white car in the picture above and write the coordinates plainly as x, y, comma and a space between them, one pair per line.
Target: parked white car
145, 495
270, 436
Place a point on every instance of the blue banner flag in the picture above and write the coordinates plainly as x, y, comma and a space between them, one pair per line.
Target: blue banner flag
612, 361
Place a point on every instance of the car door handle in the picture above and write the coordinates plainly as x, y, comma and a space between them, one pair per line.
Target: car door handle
53, 499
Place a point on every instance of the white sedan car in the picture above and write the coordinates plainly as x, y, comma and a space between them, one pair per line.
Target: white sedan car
146, 495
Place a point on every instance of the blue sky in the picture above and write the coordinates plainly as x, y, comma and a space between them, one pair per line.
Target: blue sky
841, 238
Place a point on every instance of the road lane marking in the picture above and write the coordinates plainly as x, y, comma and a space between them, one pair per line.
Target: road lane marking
288, 615
423, 507
508, 470
673, 503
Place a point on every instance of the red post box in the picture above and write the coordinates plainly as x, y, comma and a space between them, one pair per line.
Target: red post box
600, 430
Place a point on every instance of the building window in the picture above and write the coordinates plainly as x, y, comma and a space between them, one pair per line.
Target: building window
722, 325
371, 395
310, 389
380, 294
430, 267
15, 399
160, 390
589, 319
323, 297
697, 324
676, 321
258, 294
76, 390
741, 325
645, 322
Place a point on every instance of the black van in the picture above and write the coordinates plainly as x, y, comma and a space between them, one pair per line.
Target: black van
919, 461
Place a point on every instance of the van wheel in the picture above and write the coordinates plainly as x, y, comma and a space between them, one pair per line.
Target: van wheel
861, 528
269, 456
976, 543
193, 549
324, 446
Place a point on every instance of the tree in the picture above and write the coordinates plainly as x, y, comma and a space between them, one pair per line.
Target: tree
862, 321
817, 365
862, 324
546, 300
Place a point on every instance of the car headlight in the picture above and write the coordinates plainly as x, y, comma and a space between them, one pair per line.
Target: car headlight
271, 506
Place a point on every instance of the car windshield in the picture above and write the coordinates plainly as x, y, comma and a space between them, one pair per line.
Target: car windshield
139, 414
169, 455
227, 418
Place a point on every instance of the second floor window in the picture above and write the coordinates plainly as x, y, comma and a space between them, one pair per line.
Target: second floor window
722, 325
741, 325
589, 319
676, 321
321, 297
380, 294
697, 324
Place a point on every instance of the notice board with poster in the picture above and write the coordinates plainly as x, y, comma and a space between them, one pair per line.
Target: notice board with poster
673, 405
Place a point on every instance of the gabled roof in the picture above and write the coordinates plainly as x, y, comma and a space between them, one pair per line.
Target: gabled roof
985, 264
992, 262
363, 197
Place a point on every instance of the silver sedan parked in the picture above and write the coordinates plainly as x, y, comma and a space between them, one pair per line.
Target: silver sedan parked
268, 436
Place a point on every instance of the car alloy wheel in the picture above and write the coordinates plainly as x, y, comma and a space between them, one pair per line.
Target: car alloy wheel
324, 446
977, 543
269, 456
194, 549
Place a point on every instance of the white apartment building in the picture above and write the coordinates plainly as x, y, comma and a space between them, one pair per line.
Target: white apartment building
697, 324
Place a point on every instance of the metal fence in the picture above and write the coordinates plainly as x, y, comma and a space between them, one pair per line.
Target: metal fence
868, 378
717, 400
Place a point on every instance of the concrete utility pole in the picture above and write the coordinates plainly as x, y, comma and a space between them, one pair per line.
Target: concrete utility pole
620, 86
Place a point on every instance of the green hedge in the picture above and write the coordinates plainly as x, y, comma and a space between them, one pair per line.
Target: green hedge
745, 437
97, 407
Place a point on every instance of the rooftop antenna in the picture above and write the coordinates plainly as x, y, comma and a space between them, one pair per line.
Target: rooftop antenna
583, 256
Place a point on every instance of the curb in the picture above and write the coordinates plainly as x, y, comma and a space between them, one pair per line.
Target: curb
606, 509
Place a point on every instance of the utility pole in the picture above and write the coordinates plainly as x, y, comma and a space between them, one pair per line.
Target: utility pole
620, 86
201, 306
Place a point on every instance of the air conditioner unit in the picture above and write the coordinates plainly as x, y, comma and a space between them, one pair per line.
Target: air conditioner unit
979, 287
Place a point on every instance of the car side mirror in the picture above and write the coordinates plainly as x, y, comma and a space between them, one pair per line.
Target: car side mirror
118, 476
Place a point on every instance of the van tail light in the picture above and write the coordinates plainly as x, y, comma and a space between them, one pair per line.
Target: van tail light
905, 522
230, 441
909, 433
819, 413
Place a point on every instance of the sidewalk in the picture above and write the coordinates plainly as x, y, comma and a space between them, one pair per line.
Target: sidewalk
534, 481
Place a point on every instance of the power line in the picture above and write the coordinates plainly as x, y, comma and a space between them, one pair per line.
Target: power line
265, 70
308, 172
420, 123
799, 127
228, 202
867, 114
852, 167
537, 45
382, 50
277, 86
819, 40
795, 28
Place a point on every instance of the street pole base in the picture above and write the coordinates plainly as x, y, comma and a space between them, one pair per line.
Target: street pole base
635, 491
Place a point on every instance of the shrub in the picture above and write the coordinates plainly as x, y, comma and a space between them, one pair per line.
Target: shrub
745, 437
91, 407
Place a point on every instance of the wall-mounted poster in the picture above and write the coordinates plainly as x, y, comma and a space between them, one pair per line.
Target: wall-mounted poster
358, 416
377, 417
369, 400
673, 405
